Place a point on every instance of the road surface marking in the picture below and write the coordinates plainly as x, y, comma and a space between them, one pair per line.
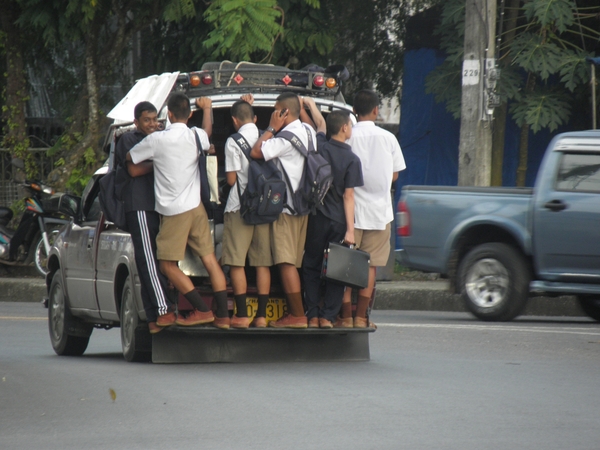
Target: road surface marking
558, 330
22, 318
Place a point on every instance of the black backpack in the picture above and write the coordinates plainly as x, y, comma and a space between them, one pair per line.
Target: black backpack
265, 194
111, 203
316, 179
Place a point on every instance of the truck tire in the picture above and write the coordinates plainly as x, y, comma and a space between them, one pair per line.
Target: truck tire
69, 336
590, 305
136, 341
494, 282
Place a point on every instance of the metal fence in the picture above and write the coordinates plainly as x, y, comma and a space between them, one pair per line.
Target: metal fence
9, 188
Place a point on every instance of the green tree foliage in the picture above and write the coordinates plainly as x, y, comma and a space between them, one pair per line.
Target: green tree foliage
544, 66
242, 27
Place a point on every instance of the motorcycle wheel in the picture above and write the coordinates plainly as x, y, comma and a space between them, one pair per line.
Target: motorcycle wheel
40, 257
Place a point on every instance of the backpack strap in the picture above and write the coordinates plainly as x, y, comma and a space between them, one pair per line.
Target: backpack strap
244, 146
298, 145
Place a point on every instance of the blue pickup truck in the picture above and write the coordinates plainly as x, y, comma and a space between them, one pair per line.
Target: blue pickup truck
499, 246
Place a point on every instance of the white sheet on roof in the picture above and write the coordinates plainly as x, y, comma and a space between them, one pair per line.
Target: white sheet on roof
153, 89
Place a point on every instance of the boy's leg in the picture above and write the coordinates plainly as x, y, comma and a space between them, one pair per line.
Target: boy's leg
259, 256
171, 243
316, 240
143, 227
377, 244
200, 240
334, 293
288, 237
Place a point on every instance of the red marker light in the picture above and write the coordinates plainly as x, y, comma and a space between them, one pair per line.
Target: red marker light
318, 81
287, 80
207, 79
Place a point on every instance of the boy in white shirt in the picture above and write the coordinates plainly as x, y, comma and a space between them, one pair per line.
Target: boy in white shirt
381, 159
240, 239
174, 154
288, 233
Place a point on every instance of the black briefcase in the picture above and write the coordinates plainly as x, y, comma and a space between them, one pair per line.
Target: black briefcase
345, 265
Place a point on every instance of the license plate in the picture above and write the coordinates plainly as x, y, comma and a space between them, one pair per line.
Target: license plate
276, 308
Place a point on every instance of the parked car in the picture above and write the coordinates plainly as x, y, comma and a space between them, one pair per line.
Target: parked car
92, 279
498, 246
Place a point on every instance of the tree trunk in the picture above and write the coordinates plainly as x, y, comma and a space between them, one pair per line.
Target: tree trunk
523, 146
501, 113
13, 114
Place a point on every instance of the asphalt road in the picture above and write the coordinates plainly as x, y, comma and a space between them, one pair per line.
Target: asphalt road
435, 380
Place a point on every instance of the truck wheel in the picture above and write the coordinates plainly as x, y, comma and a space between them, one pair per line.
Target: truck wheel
135, 337
69, 336
494, 282
590, 305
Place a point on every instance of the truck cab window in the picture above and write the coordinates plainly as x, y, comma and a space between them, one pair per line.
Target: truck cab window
579, 172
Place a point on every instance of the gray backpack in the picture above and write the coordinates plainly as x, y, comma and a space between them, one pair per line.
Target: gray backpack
316, 180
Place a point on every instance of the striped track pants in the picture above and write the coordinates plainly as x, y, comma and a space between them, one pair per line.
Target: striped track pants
143, 227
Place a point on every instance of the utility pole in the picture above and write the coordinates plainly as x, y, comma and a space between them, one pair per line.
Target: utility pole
479, 77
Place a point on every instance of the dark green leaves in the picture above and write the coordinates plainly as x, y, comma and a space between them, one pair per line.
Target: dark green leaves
542, 108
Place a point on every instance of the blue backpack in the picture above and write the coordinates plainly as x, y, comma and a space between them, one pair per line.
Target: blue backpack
265, 193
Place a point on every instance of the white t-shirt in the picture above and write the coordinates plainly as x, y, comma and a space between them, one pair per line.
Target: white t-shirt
380, 156
288, 158
176, 176
236, 161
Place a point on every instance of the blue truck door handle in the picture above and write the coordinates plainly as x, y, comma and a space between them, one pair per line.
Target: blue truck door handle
555, 205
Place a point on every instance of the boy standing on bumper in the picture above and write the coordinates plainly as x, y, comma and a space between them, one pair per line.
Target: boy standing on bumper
183, 219
288, 232
142, 220
381, 159
334, 220
240, 239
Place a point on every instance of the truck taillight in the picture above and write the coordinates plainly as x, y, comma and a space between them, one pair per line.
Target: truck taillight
402, 220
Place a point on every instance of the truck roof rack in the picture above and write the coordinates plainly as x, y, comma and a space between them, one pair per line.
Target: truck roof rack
230, 77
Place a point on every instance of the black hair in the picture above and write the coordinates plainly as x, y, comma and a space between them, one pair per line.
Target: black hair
179, 105
365, 101
291, 102
141, 107
242, 111
336, 120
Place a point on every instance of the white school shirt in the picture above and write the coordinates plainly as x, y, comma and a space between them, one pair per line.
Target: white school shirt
288, 158
236, 161
380, 156
176, 175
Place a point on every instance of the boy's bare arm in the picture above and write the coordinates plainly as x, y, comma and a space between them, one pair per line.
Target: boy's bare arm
276, 123
205, 104
304, 117
139, 169
349, 214
395, 177
319, 121
231, 178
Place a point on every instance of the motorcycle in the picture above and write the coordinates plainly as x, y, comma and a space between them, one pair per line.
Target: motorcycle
43, 217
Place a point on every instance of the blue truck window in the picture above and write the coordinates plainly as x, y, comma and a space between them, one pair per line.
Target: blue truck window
579, 172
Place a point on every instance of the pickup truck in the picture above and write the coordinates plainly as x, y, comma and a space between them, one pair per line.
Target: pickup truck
499, 246
92, 279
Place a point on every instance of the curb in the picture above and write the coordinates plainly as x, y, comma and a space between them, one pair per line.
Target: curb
391, 295
435, 296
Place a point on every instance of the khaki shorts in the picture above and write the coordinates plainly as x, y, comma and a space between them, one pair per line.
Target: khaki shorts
288, 235
376, 243
191, 228
241, 239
